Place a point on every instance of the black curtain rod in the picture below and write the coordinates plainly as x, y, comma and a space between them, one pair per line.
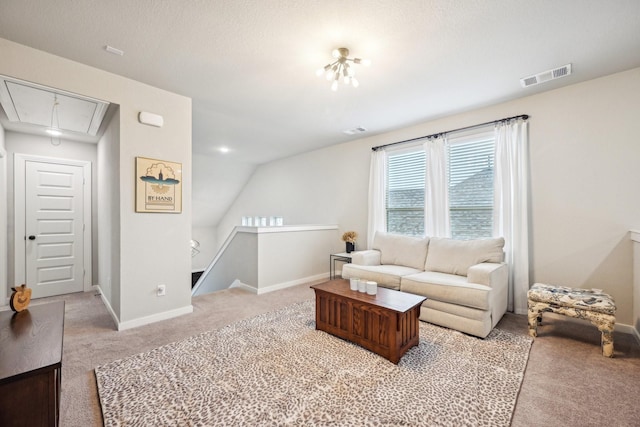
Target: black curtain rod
435, 135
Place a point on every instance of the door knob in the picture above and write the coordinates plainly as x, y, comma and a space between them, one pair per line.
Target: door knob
32, 237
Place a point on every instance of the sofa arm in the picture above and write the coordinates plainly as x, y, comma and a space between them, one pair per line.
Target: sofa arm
368, 257
488, 274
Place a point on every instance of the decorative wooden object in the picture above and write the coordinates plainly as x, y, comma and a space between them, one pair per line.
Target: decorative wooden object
20, 298
385, 323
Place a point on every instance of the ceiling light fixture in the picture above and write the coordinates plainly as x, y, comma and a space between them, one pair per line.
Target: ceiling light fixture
54, 129
341, 69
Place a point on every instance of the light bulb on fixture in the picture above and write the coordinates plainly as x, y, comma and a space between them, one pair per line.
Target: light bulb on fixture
341, 69
55, 123
365, 62
319, 72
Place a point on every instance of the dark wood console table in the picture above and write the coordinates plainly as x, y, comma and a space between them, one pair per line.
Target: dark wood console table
31, 365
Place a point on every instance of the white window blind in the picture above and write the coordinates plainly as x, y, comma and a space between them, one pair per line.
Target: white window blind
405, 192
471, 188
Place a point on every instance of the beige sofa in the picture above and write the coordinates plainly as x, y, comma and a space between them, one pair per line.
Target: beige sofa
465, 281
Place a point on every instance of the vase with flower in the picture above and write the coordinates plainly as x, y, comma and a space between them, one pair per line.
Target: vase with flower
349, 237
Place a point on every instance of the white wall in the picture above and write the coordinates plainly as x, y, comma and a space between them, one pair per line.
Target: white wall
208, 247
584, 178
211, 200
319, 187
109, 213
4, 243
265, 259
154, 248
294, 256
22, 143
239, 261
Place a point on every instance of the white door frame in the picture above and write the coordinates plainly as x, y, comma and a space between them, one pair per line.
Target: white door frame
19, 191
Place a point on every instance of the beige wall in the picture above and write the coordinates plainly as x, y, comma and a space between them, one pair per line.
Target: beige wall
154, 248
583, 144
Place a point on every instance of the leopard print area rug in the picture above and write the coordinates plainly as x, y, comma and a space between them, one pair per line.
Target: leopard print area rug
277, 370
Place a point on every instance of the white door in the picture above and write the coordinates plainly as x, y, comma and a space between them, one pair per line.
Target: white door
54, 222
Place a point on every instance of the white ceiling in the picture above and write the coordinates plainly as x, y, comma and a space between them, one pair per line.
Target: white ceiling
249, 65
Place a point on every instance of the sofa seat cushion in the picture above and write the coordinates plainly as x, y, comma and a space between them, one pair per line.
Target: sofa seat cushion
387, 276
456, 256
458, 310
449, 288
396, 249
474, 327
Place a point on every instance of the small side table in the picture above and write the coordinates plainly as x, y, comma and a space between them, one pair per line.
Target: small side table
340, 257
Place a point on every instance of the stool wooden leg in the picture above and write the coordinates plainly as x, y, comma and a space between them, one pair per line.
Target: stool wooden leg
605, 325
607, 344
534, 316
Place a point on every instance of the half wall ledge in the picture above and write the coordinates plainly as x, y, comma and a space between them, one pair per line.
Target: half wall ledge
265, 259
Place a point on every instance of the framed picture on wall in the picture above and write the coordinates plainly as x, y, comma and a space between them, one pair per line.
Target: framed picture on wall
158, 186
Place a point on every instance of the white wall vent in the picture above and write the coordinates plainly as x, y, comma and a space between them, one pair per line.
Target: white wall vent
354, 131
545, 76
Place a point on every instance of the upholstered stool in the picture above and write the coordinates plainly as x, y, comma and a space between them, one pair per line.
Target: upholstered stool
589, 304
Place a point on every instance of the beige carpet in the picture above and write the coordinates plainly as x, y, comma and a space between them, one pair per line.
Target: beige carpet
276, 369
567, 381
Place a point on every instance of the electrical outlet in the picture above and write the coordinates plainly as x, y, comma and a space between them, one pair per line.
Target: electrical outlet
162, 290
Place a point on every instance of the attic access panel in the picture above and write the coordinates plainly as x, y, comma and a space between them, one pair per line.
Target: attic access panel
31, 103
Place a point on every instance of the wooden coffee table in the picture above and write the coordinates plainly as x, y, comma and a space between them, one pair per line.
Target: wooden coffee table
385, 323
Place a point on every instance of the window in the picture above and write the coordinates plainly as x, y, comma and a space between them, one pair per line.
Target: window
470, 180
405, 192
471, 187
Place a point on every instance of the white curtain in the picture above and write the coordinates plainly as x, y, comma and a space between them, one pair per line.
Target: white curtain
436, 197
510, 207
377, 192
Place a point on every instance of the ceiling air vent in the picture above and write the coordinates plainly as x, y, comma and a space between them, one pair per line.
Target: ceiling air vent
354, 131
545, 76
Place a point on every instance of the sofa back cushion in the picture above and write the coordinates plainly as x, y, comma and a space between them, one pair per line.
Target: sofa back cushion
401, 250
456, 256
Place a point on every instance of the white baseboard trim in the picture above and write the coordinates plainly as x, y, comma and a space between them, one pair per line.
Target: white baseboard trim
141, 321
238, 284
106, 303
292, 283
259, 291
